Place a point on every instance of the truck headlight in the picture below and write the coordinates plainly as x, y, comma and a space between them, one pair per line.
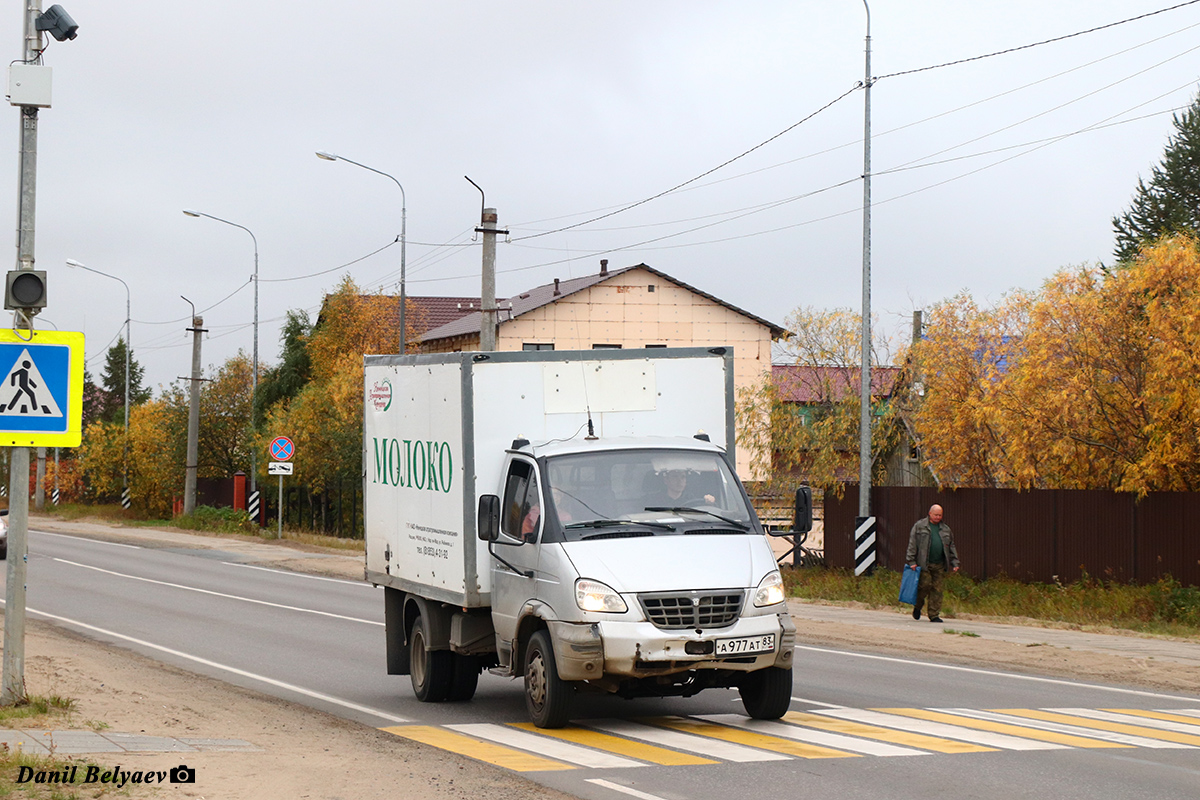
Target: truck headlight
596, 596
769, 591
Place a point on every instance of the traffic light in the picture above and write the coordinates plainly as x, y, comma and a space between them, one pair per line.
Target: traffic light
25, 289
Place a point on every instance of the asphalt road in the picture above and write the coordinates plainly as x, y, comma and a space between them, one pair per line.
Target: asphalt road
319, 641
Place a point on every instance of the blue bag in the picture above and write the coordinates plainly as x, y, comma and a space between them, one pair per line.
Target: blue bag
908, 585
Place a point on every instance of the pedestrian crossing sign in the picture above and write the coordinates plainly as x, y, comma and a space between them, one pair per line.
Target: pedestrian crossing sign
41, 392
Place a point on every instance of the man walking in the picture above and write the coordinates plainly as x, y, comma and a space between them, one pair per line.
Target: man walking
931, 547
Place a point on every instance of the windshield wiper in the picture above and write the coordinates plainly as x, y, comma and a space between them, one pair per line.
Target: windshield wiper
685, 510
609, 523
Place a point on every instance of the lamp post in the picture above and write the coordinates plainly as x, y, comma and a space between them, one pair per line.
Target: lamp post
324, 156
254, 366
128, 347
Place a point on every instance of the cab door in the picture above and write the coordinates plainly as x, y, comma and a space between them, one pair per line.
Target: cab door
520, 531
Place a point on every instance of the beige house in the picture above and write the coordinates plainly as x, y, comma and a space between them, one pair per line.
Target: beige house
633, 307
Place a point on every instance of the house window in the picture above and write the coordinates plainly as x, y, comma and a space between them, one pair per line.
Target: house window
606, 347
650, 288
537, 346
654, 346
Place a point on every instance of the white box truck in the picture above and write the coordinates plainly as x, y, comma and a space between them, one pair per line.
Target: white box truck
559, 516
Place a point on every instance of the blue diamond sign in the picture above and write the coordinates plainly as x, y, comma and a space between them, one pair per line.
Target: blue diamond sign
41, 396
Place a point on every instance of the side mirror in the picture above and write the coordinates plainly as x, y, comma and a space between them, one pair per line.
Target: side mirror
802, 522
488, 520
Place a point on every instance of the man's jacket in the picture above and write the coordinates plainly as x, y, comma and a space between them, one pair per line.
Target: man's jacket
918, 545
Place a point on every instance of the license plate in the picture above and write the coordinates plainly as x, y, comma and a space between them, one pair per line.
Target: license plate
746, 645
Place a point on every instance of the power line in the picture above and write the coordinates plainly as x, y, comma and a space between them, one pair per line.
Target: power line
704, 174
1035, 44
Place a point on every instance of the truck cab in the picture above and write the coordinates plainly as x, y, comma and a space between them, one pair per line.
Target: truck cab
634, 566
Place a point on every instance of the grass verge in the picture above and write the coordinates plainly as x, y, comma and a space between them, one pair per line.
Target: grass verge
1164, 607
43, 713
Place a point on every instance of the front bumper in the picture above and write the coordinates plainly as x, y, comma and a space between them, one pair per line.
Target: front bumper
639, 649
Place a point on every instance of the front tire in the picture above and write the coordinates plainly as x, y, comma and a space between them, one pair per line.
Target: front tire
547, 697
767, 693
431, 670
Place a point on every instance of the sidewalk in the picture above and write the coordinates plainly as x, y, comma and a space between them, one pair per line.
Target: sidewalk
1130, 645
44, 743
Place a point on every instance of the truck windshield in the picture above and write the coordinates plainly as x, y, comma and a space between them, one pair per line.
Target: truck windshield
622, 493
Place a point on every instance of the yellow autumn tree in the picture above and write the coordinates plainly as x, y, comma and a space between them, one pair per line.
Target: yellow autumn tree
1088, 383
803, 423
324, 418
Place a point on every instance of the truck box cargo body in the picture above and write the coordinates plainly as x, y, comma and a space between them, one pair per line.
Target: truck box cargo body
572, 517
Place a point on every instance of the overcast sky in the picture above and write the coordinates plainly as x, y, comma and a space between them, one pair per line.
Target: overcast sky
565, 111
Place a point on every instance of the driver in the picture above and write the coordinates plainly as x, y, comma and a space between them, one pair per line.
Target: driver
674, 492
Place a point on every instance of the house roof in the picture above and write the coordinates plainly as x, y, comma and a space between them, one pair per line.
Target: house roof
434, 312
545, 294
800, 383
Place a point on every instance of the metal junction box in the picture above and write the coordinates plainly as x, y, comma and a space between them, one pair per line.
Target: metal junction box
29, 85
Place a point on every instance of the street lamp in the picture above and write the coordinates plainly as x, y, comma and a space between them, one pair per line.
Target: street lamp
254, 374
324, 156
128, 347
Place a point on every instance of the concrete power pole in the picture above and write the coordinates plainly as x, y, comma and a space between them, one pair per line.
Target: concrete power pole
487, 324
13, 689
193, 442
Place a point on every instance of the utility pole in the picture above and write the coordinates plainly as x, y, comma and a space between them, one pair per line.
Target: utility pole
487, 323
13, 689
193, 441
864, 533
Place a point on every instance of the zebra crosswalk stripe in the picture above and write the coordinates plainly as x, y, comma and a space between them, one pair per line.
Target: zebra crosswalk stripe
985, 738
713, 748
1046, 725
836, 740
934, 743
737, 736
948, 716
506, 757
1116, 727
1176, 716
1109, 716
615, 744
562, 751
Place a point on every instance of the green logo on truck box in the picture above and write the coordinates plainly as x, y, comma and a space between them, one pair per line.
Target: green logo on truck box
413, 464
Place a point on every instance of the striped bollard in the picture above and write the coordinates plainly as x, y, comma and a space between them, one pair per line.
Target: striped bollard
864, 545
126, 501
252, 506
54, 496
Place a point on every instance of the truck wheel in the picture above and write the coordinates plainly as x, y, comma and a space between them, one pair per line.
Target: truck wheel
547, 696
767, 693
431, 670
465, 677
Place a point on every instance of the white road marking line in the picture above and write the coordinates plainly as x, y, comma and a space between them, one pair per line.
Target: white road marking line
291, 574
97, 541
1130, 719
683, 741
802, 734
544, 746
985, 738
224, 667
1104, 736
995, 674
616, 787
219, 594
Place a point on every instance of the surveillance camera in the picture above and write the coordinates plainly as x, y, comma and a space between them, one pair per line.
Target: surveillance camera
58, 22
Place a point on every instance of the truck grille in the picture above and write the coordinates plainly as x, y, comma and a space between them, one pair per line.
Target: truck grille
694, 610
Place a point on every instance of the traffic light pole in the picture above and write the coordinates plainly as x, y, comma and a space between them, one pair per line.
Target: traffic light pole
12, 690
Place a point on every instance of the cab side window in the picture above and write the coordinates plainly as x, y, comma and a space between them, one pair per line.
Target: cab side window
522, 508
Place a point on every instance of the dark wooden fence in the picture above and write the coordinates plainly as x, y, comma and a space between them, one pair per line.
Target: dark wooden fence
1034, 535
